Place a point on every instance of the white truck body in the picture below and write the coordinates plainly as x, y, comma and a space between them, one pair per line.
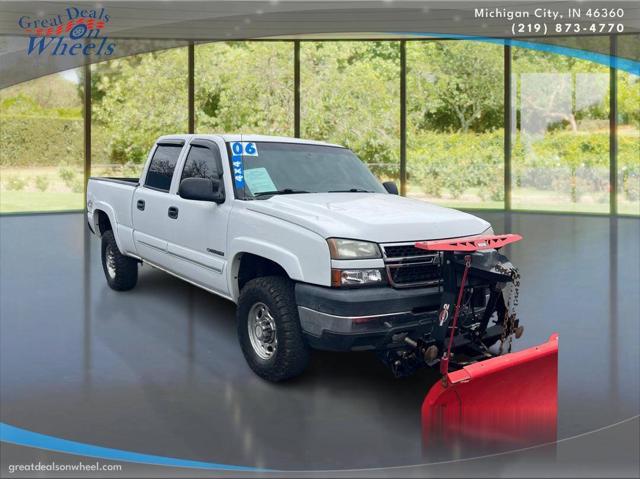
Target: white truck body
290, 230
206, 242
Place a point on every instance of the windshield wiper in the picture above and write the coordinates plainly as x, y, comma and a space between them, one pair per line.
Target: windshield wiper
284, 191
351, 190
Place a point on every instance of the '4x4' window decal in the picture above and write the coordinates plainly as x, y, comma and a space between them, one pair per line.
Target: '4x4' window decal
238, 150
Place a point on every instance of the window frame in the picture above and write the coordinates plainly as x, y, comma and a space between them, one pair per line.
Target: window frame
171, 143
209, 145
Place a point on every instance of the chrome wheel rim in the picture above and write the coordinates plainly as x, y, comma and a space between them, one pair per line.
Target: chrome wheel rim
262, 331
110, 260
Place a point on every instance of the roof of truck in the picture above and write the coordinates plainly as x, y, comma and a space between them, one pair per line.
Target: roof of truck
243, 137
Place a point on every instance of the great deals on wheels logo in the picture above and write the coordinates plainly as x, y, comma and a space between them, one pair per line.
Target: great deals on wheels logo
74, 32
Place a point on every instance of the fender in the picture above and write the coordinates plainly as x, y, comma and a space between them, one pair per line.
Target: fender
287, 260
111, 214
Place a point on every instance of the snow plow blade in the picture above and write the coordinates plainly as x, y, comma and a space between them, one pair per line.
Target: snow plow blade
509, 401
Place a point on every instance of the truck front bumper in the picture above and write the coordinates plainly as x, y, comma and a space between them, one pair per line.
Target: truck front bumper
367, 318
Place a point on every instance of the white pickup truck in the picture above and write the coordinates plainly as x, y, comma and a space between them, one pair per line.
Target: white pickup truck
314, 250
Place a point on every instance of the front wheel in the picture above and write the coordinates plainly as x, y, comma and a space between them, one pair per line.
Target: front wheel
269, 329
121, 271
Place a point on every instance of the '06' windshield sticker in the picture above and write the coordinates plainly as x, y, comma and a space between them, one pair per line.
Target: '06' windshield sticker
238, 150
249, 148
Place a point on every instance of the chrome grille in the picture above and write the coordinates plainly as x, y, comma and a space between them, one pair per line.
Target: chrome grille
408, 266
403, 251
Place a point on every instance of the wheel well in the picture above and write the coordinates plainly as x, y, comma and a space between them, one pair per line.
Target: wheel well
253, 266
104, 224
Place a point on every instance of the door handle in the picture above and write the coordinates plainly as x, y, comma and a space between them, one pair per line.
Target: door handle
173, 212
140, 205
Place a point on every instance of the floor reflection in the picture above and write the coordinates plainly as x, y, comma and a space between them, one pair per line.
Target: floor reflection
158, 369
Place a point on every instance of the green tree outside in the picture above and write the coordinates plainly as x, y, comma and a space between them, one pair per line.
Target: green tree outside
350, 95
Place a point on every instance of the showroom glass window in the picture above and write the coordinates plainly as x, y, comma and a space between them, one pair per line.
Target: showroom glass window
135, 100
42, 153
628, 129
244, 87
350, 95
162, 166
560, 132
202, 162
455, 123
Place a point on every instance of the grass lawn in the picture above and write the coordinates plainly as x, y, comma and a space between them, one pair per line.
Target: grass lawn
539, 200
629, 207
21, 190
529, 199
33, 201
58, 197
469, 199
461, 203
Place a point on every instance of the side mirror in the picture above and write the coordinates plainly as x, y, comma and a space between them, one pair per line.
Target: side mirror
391, 187
201, 189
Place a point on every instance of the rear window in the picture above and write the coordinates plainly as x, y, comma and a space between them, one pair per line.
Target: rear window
161, 167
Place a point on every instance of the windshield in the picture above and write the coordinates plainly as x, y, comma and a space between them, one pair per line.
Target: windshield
288, 168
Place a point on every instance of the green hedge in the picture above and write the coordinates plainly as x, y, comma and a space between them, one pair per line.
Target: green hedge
560, 161
576, 162
35, 141
456, 162
438, 162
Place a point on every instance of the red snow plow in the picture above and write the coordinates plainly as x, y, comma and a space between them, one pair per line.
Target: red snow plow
485, 398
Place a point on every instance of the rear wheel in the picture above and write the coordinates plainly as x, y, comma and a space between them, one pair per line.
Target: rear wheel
269, 329
121, 271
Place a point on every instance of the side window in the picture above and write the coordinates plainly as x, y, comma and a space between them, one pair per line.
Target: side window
161, 167
202, 162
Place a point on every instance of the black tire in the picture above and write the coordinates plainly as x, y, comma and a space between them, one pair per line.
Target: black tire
291, 354
124, 275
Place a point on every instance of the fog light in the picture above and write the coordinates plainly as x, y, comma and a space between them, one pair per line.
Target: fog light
355, 277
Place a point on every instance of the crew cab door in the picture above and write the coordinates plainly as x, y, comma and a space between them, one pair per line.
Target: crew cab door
151, 203
197, 238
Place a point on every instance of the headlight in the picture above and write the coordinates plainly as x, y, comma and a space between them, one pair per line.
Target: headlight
488, 231
356, 277
352, 249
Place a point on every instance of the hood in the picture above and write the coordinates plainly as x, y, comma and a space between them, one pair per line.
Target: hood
378, 217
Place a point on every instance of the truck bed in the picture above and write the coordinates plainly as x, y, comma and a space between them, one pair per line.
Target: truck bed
114, 196
117, 179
